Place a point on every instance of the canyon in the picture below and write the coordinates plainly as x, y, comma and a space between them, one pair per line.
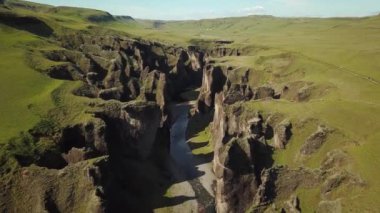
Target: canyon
137, 124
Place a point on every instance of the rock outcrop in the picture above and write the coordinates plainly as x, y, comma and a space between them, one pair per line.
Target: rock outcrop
131, 128
236, 182
213, 82
221, 51
282, 134
75, 155
114, 67
105, 17
242, 157
315, 141
135, 137
128, 138
281, 182
235, 163
237, 92
37, 189
263, 92
137, 140
293, 205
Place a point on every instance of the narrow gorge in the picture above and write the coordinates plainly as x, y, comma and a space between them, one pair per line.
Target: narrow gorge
156, 127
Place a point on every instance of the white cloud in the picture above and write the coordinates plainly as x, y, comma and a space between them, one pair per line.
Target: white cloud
255, 10
151, 13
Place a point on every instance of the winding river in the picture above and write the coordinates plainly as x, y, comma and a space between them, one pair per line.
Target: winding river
199, 176
179, 149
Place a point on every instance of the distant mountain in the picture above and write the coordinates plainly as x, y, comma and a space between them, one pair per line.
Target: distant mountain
124, 18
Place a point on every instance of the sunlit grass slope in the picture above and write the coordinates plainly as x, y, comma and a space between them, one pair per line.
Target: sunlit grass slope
339, 57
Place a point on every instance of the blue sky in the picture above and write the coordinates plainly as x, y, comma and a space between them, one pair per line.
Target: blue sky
198, 9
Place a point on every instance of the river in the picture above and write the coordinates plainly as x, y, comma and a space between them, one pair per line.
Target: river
199, 176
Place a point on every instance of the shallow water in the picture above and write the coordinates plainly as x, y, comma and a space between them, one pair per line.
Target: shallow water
199, 176
179, 149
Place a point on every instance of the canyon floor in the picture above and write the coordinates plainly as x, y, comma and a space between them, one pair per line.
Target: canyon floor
103, 113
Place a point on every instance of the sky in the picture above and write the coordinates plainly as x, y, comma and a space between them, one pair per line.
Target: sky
200, 9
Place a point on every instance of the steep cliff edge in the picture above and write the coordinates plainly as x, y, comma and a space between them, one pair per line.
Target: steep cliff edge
248, 179
286, 135
125, 136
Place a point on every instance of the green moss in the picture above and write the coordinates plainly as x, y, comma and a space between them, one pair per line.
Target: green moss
24, 150
199, 134
309, 199
202, 137
45, 126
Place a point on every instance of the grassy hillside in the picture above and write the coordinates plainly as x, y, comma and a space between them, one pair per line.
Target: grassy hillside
30, 98
338, 57
25, 93
336, 41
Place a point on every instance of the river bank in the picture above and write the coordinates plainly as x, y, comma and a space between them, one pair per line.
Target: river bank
192, 173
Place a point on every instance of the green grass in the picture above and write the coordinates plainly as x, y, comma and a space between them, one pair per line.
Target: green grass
32, 101
199, 134
24, 92
202, 137
310, 199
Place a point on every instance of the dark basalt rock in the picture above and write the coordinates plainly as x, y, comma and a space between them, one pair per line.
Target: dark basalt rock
65, 72
136, 135
224, 51
234, 160
88, 137
243, 160
238, 92
112, 93
212, 83
131, 127
236, 181
113, 63
224, 42
125, 18
87, 90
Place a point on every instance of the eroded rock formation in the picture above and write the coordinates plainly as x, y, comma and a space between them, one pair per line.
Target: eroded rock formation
243, 163
213, 82
237, 92
282, 134
129, 136
136, 139
38, 189
315, 141
115, 67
